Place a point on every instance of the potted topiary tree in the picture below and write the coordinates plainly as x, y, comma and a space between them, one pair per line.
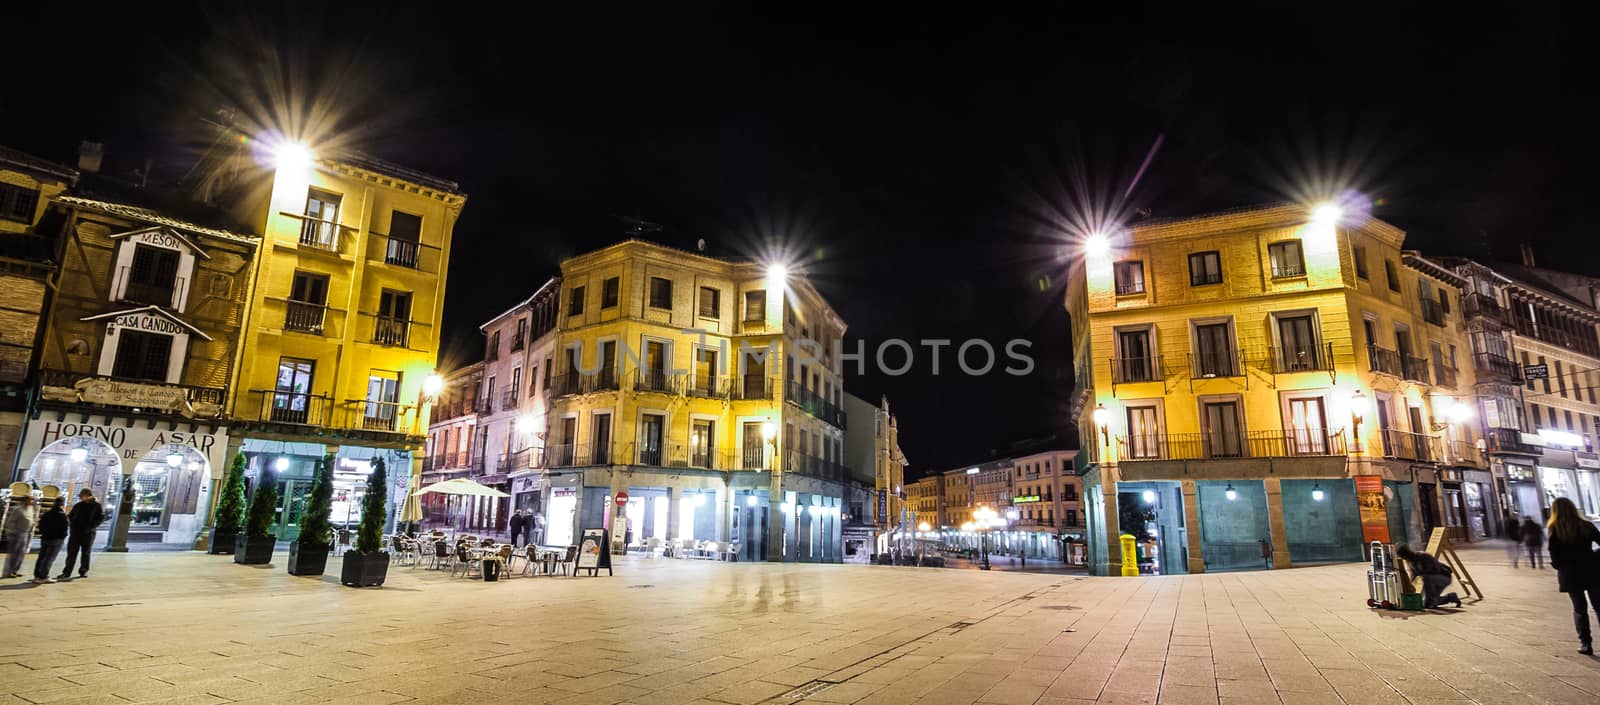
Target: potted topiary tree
230, 509
367, 565
308, 555
254, 545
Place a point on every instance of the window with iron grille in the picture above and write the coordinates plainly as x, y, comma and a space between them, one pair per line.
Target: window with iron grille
142, 355
1129, 277
18, 203
661, 293
1287, 259
1205, 268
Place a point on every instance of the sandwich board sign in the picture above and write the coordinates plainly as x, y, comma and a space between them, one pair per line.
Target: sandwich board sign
593, 553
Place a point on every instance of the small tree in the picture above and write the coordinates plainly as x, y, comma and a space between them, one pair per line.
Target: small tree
263, 505
230, 505
374, 509
315, 529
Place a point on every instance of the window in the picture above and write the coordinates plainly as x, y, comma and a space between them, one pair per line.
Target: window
394, 318
383, 393
1309, 426
1129, 277
1205, 268
705, 370
1134, 361
608, 292
308, 297
320, 228
575, 301
1388, 273
1220, 429
710, 302
494, 347
291, 394
650, 431
1444, 300
1297, 341
701, 443
405, 236
1287, 259
522, 335
1359, 254
755, 305
661, 293
152, 277
18, 203
533, 381
1144, 432
1213, 356
549, 370
142, 355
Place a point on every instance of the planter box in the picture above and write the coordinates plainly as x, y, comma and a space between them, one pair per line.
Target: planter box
222, 541
308, 560
253, 550
364, 569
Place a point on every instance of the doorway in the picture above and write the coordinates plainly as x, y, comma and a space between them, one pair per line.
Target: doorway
1152, 512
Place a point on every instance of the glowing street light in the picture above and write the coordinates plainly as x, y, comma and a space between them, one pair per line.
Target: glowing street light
1316, 492
1327, 214
924, 526
1149, 496
1458, 412
769, 430
281, 464
1230, 493
292, 156
777, 271
985, 518
527, 424
432, 385
1097, 244
1101, 415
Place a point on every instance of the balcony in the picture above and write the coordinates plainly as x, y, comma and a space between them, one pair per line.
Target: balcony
1292, 443
319, 234
752, 387
403, 253
1411, 446
709, 386
1492, 367
517, 343
1383, 361
198, 398
525, 459
814, 404
1130, 288
1127, 370
300, 408
811, 466
508, 399
1477, 305
1212, 364
304, 317
1301, 359
1432, 312
1414, 368
1509, 440
1445, 376
1466, 454
388, 330
368, 415
656, 381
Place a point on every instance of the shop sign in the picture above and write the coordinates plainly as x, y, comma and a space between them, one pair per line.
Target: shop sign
1025, 499
593, 554
1519, 473
149, 322
98, 390
1374, 508
1588, 460
1540, 371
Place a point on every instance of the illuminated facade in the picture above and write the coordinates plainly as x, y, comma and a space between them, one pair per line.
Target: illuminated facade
872, 448
1239, 374
519, 348
343, 324
683, 410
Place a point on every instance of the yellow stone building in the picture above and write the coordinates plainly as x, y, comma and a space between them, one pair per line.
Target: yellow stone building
694, 406
1266, 386
344, 323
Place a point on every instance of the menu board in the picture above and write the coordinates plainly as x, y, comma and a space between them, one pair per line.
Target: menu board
593, 554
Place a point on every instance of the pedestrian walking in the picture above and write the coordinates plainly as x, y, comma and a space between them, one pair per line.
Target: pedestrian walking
518, 523
84, 518
1435, 576
1533, 541
1572, 554
1513, 532
17, 534
52, 532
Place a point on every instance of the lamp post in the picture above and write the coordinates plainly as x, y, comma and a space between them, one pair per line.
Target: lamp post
985, 518
1101, 417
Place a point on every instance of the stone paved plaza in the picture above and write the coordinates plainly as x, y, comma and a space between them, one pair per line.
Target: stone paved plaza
190, 628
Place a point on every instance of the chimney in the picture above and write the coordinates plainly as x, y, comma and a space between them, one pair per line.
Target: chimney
89, 156
1527, 255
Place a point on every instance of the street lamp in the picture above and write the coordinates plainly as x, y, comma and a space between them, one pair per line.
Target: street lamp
1358, 412
1101, 417
985, 518
432, 385
1097, 244
769, 433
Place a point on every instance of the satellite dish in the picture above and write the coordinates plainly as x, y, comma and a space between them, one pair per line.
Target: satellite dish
701, 245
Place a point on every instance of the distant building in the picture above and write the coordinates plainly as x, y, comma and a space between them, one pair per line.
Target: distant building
455, 445
872, 451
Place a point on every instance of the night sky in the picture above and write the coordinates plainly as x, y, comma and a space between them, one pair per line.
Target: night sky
927, 170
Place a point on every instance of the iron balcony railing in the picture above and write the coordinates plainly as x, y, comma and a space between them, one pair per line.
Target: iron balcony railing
1465, 453
388, 330
1126, 370
1383, 361
1301, 359
1209, 364
659, 381
370, 415
295, 408
517, 342
1432, 312
812, 466
1282, 270
1291, 443
1487, 364
508, 398
304, 317
524, 459
568, 455
1478, 305
1508, 440
1414, 368
404, 253
160, 294
1129, 288
748, 387
708, 385
319, 234
1406, 445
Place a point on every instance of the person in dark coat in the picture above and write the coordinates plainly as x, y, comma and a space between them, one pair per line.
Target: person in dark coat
84, 518
1533, 540
52, 532
518, 522
1572, 554
1513, 531
1435, 576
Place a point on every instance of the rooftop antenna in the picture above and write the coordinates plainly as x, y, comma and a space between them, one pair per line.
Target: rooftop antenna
638, 227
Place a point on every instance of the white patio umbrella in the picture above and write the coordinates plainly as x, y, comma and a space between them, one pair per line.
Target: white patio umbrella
460, 486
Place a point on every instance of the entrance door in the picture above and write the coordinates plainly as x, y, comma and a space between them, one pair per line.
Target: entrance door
1420, 439
293, 495
753, 533
1426, 507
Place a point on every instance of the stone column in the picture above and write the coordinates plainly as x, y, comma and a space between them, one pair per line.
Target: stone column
1280, 541
1191, 520
1113, 523
724, 496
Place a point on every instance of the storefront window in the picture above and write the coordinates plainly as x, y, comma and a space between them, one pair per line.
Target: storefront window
563, 508
1558, 482
1589, 489
1233, 530
1321, 520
